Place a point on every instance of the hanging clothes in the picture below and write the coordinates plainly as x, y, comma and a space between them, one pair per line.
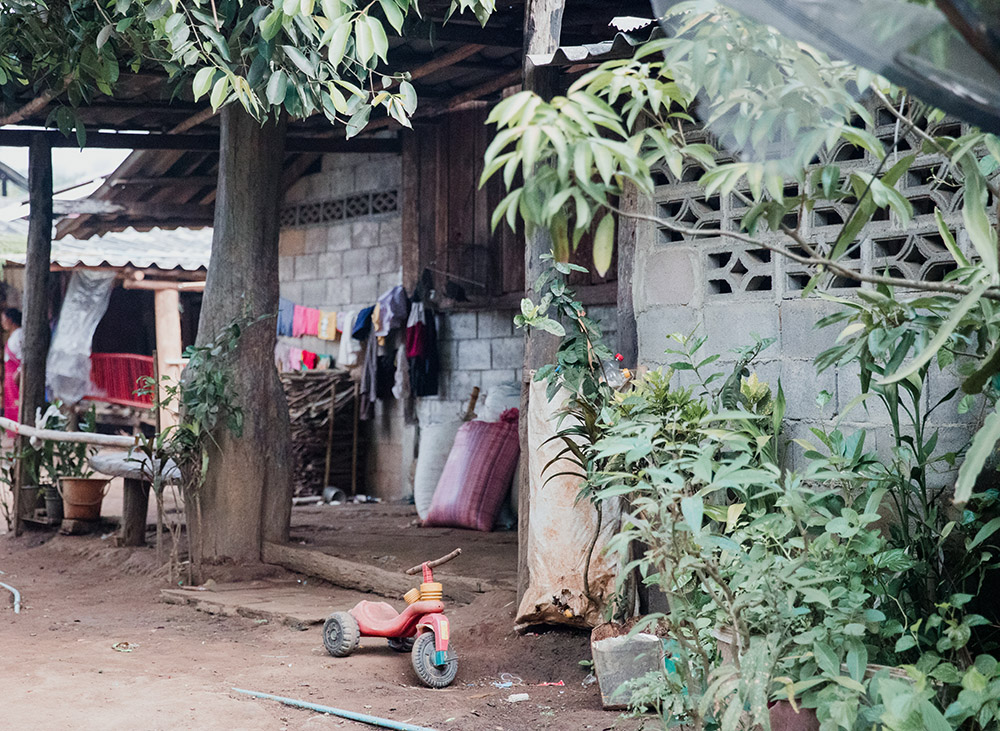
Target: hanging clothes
393, 308
286, 317
327, 325
350, 348
308, 360
415, 331
385, 375
295, 359
298, 321
399, 374
424, 368
363, 323
368, 380
281, 352
312, 321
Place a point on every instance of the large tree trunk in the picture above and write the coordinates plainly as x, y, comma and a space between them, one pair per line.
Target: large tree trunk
247, 494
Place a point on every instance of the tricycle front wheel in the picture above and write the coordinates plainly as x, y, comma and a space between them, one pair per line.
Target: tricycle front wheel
422, 656
341, 634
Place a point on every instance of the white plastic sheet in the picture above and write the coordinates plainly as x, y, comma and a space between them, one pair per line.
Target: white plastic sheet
560, 530
68, 364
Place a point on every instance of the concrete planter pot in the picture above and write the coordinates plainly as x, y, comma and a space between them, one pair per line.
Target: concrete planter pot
619, 659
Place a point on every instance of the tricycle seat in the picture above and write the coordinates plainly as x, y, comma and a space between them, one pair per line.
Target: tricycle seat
374, 613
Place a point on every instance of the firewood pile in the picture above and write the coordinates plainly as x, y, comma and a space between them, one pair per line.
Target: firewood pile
309, 395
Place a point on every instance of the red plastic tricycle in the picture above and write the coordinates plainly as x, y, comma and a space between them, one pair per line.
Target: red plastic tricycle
421, 629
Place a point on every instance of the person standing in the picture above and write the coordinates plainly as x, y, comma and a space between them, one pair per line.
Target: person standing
10, 321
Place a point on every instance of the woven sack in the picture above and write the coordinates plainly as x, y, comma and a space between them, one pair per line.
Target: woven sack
477, 475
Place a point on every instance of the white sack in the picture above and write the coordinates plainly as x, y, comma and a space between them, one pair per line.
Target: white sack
560, 530
436, 441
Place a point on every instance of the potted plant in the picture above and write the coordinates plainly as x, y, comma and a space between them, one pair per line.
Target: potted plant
70, 489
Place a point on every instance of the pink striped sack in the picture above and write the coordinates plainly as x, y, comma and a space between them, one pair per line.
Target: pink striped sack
477, 475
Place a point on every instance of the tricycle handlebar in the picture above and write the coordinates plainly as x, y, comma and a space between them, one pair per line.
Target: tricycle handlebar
436, 562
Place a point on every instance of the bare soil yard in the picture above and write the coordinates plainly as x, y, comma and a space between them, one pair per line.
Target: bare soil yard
81, 596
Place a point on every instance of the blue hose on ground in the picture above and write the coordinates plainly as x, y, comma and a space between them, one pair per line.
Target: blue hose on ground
17, 596
360, 717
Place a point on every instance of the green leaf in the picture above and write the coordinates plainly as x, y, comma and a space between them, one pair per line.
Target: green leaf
332, 9
983, 445
379, 40
202, 82
219, 92
358, 122
408, 96
941, 337
300, 60
604, 244
560, 237
392, 14
276, 87
826, 658
977, 224
984, 533
104, 35
949, 240
364, 45
693, 510
217, 40
338, 44
272, 24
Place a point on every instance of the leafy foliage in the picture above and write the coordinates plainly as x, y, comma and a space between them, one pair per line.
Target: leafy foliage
300, 57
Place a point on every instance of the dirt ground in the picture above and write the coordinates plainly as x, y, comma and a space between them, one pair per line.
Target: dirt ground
81, 595
386, 535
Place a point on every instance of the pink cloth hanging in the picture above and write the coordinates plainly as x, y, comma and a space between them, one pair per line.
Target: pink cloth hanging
311, 324
299, 321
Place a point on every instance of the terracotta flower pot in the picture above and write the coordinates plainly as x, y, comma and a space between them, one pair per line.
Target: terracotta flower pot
82, 497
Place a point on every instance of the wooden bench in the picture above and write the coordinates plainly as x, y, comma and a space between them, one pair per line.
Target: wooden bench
138, 475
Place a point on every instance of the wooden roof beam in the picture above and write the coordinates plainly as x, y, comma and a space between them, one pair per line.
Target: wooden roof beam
444, 61
188, 181
208, 142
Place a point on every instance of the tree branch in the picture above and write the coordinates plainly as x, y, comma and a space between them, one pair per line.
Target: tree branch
922, 134
37, 104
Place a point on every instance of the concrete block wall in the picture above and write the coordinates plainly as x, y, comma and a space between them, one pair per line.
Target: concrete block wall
670, 297
346, 265
484, 349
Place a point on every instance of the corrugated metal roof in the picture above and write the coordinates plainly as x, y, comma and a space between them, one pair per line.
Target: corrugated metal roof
187, 249
623, 45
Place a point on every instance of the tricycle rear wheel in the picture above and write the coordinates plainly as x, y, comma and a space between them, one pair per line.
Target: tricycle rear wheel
341, 634
422, 657
401, 644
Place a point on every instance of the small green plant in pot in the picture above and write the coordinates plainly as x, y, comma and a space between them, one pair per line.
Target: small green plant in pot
60, 461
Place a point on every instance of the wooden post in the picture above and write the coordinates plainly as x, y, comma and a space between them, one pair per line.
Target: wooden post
542, 27
36, 296
135, 505
629, 232
166, 308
